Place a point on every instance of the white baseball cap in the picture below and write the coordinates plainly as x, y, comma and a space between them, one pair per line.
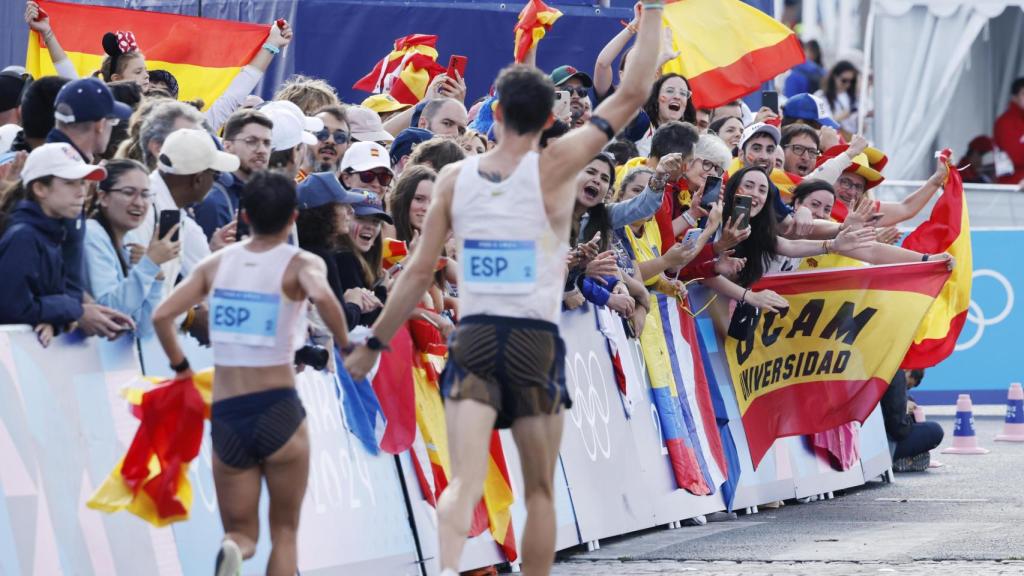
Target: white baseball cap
760, 128
8, 132
189, 151
60, 160
365, 156
287, 132
310, 123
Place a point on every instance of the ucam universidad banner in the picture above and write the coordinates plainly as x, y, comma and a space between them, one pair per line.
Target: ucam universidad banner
828, 358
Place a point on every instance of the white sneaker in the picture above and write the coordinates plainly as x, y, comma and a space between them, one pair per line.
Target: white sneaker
229, 559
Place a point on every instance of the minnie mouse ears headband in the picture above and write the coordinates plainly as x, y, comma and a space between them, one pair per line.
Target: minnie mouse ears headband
117, 44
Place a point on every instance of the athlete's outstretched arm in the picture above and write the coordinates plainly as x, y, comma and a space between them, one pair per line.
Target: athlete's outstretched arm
417, 276
565, 157
190, 292
313, 280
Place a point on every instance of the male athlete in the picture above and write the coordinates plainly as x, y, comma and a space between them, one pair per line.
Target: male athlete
510, 212
258, 291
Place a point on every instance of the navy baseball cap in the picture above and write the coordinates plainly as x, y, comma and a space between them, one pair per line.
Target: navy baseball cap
88, 100
323, 188
407, 140
370, 205
807, 107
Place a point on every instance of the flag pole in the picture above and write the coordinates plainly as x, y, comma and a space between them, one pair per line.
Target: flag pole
869, 52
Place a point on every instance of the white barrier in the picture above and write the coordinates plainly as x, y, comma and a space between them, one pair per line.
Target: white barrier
64, 426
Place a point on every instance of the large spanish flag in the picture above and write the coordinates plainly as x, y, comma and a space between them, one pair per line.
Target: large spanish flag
948, 229
407, 71
727, 48
828, 358
204, 54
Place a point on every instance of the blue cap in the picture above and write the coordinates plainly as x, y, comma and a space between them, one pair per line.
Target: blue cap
807, 107
323, 188
370, 204
88, 100
417, 111
407, 140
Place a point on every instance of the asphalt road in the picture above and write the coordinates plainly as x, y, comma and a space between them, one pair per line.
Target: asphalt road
963, 518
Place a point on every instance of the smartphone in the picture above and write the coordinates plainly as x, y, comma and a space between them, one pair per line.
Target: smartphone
770, 99
690, 238
712, 192
741, 211
457, 64
168, 219
561, 109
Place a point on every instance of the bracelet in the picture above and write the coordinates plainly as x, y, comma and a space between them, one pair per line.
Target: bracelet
272, 49
653, 6
658, 182
743, 299
824, 246
689, 219
190, 318
604, 126
180, 366
50, 35
924, 257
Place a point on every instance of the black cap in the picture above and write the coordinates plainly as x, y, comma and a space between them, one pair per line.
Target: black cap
12, 84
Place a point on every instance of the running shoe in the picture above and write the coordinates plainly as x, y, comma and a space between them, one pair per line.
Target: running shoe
229, 559
917, 463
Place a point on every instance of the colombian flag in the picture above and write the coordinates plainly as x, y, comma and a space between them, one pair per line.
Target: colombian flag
727, 48
204, 54
151, 481
406, 72
948, 229
828, 358
535, 21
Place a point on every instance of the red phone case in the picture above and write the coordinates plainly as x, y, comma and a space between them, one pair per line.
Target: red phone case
457, 63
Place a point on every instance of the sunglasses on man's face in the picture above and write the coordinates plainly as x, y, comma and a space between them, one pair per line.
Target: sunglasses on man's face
580, 91
382, 176
339, 136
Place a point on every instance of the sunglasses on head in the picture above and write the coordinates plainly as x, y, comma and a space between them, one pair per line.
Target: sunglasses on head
382, 176
339, 136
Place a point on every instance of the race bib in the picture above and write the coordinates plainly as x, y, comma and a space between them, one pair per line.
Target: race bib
500, 266
238, 317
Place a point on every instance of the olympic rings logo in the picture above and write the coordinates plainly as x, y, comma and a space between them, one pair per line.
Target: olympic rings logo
976, 315
590, 406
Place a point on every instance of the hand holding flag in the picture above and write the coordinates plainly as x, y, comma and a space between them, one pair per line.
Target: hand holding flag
535, 20
406, 72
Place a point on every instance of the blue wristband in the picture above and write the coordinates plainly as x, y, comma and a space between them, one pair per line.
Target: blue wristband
272, 49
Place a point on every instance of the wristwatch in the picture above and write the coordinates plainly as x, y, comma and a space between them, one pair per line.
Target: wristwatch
375, 344
658, 182
181, 366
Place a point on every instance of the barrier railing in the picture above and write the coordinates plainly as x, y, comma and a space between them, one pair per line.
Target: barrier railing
64, 426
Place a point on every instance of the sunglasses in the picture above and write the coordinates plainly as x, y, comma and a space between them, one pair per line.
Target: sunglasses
339, 136
580, 91
382, 176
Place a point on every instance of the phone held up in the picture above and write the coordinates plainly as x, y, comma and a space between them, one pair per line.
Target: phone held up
741, 211
712, 192
168, 219
457, 64
770, 99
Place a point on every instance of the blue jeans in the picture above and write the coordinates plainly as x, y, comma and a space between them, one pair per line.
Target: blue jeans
923, 437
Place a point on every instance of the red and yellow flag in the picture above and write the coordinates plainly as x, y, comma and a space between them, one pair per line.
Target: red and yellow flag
828, 358
727, 48
151, 481
204, 54
948, 229
406, 72
535, 20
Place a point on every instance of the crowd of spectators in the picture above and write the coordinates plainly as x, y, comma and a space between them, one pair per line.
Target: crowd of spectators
113, 190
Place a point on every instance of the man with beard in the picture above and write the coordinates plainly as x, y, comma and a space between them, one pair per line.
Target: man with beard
247, 134
332, 142
578, 84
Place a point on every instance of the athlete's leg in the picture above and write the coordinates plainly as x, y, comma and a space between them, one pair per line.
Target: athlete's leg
538, 439
469, 438
287, 472
238, 497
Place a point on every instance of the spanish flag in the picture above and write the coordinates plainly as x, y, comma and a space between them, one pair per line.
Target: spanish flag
204, 54
828, 358
727, 48
535, 21
151, 481
406, 72
948, 229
